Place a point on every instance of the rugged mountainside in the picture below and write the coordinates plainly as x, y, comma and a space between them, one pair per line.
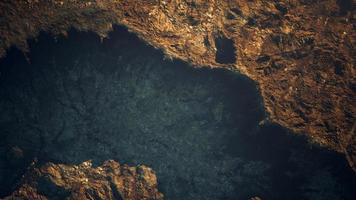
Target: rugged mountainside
301, 53
108, 181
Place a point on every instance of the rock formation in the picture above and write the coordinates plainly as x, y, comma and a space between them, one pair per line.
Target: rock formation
110, 181
301, 53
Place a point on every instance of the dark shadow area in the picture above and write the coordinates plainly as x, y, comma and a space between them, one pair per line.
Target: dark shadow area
225, 50
345, 6
79, 99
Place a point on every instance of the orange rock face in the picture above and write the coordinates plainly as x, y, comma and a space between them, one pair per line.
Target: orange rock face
106, 182
301, 53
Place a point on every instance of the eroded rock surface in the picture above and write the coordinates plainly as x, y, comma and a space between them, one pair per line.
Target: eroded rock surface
77, 99
108, 181
301, 53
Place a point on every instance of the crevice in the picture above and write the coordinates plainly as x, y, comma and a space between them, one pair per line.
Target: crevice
225, 50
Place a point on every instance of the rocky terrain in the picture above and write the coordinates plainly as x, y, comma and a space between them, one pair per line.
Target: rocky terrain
301, 53
78, 98
110, 181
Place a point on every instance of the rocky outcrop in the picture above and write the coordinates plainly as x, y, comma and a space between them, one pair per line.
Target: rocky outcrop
108, 181
301, 53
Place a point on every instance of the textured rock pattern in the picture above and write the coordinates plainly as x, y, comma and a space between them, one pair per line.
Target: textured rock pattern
300, 52
111, 181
